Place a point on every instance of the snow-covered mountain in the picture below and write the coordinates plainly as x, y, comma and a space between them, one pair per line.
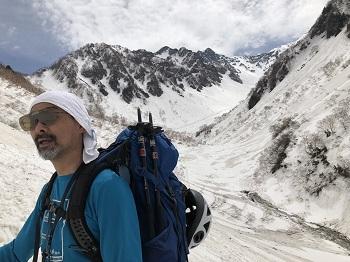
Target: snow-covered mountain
289, 140
334, 18
182, 88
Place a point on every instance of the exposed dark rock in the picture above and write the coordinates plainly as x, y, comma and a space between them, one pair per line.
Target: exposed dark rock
205, 68
93, 70
164, 49
211, 54
304, 45
342, 171
331, 22
139, 74
235, 77
184, 51
114, 82
66, 68
153, 87
268, 82
102, 89
132, 91
285, 141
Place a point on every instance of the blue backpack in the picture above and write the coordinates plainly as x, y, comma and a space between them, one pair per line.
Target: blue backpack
146, 158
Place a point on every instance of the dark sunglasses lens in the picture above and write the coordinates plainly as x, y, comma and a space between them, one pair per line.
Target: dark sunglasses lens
28, 122
46, 117
25, 122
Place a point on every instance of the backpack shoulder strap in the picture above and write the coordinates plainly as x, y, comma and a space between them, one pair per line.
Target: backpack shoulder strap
47, 192
43, 206
75, 212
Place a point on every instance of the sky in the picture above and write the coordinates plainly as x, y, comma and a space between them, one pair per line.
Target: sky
35, 33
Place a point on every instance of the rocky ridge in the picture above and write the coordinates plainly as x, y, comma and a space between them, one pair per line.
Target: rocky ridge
140, 74
334, 18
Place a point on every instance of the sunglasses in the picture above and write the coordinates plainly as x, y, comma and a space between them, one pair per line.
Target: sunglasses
47, 117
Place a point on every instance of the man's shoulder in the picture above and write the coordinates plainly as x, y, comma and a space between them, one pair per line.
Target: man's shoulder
108, 178
108, 185
106, 175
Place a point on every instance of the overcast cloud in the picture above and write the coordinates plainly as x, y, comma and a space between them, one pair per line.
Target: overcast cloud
224, 25
36, 32
25, 44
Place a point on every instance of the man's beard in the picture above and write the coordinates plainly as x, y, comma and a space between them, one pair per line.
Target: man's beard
48, 153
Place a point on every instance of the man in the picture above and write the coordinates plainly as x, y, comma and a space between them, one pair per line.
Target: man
61, 129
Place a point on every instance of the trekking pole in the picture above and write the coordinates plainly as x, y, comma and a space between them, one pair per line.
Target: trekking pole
141, 138
159, 209
142, 154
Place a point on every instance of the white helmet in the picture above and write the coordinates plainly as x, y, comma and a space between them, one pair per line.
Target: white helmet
198, 218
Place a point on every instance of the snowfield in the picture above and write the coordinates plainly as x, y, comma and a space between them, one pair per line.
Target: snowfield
243, 228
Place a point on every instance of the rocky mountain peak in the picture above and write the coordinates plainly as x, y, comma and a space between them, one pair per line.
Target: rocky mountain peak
209, 52
140, 73
335, 16
183, 51
166, 49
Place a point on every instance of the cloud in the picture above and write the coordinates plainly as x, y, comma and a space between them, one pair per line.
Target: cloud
223, 25
24, 43
11, 30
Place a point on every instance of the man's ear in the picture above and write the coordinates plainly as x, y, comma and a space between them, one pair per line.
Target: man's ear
81, 129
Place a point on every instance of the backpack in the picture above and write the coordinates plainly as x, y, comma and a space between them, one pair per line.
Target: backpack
145, 158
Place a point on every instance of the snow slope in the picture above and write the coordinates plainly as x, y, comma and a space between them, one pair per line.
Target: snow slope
301, 170
243, 228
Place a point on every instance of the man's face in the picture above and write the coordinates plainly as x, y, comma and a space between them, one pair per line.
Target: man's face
58, 137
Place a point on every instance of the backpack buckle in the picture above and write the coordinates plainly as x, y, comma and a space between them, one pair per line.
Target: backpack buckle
57, 210
52, 207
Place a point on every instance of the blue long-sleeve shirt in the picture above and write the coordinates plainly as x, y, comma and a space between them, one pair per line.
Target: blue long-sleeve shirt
110, 214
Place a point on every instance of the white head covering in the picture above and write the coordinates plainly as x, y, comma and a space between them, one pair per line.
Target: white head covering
74, 106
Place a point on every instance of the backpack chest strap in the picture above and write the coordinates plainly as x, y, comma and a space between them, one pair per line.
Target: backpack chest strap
58, 210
